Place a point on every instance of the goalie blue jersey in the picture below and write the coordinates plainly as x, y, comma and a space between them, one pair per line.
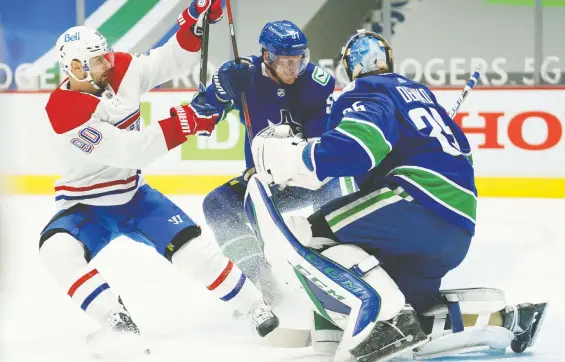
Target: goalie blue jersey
387, 130
302, 104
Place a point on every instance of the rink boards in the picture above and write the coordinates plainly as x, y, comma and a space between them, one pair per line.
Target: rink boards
516, 135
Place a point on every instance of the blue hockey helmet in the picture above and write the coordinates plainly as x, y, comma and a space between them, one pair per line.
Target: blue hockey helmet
286, 46
366, 52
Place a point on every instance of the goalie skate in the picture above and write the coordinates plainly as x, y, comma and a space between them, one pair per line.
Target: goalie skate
391, 338
524, 320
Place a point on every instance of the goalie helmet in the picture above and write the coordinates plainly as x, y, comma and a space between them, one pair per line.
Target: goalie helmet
286, 46
366, 53
89, 47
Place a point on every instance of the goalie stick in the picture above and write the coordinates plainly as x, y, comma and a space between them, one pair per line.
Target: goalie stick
468, 87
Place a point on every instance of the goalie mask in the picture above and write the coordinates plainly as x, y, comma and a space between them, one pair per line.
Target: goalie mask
90, 48
366, 53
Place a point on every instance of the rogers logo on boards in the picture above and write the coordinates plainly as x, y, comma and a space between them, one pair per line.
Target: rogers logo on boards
514, 128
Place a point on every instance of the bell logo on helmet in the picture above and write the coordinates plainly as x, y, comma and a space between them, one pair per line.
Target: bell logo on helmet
72, 37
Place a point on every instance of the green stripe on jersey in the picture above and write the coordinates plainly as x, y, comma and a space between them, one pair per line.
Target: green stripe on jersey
369, 136
441, 189
363, 206
470, 158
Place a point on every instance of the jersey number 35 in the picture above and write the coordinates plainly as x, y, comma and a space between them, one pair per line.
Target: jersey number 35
422, 119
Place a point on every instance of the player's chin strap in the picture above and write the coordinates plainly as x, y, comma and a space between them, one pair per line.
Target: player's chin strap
87, 79
273, 72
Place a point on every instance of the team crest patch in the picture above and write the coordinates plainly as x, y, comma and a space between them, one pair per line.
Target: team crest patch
319, 75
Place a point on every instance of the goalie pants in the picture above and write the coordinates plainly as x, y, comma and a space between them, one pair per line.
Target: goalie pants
415, 247
149, 218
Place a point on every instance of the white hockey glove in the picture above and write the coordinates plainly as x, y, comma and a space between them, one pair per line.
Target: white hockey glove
278, 158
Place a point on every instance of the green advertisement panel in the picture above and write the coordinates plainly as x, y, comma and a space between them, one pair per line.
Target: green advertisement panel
560, 3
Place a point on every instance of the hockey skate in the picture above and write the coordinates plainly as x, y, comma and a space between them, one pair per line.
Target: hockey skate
119, 337
391, 338
263, 318
524, 320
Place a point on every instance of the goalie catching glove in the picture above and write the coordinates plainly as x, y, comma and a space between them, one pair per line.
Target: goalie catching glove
281, 158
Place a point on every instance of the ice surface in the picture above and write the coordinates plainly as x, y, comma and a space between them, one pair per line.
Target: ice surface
519, 247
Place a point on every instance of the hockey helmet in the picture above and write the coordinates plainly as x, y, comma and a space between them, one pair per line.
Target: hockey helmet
286, 46
89, 47
366, 52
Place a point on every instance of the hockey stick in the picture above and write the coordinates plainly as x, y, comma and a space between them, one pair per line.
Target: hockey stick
238, 60
204, 58
468, 87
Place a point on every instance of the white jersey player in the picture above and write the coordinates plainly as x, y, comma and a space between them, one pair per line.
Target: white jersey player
102, 193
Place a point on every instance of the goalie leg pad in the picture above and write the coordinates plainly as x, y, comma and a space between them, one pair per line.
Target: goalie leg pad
367, 267
325, 335
332, 278
473, 339
476, 301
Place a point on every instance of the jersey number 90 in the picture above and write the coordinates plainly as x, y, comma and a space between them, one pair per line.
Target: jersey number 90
422, 118
88, 138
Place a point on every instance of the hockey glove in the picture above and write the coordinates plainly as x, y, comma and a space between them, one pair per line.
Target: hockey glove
190, 20
198, 119
216, 13
232, 79
281, 158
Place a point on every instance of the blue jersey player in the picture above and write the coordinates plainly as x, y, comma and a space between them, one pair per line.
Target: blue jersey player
410, 223
281, 86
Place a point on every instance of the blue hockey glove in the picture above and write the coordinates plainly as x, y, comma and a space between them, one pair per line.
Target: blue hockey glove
232, 79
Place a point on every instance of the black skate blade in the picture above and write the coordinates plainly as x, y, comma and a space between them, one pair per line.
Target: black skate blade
541, 309
267, 327
408, 347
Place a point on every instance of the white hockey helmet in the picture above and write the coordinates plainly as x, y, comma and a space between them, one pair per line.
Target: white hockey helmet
86, 45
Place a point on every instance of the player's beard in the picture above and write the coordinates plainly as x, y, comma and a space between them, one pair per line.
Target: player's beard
102, 80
